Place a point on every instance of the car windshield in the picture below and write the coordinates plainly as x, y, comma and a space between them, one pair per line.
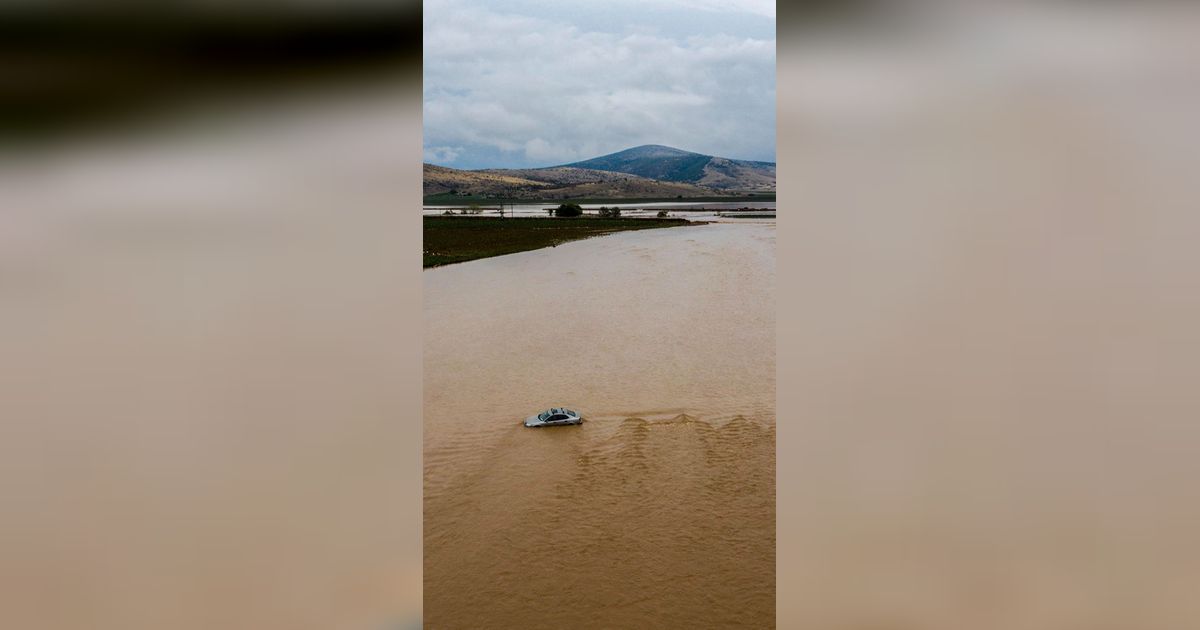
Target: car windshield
543, 415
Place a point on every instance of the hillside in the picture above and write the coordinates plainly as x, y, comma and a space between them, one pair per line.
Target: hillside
553, 183
645, 172
738, 174
441, 179
670, 164
560, 175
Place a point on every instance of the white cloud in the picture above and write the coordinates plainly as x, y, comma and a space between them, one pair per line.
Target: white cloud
764, 8
442, 155
539, 150
521, 90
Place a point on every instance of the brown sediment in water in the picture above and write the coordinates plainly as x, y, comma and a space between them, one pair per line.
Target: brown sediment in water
659, 510
636, 524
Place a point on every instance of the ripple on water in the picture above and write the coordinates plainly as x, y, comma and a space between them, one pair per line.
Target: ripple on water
619, 514
656, 512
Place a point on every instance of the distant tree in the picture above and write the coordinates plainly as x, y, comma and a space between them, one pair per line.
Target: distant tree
474, 209
662, 214
679, 196
609, 213
568, 210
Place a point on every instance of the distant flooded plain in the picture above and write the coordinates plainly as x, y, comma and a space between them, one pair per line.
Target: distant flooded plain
658, 511
697, 210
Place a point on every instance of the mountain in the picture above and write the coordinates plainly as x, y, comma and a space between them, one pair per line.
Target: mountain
645, 172
450, 184
656, 161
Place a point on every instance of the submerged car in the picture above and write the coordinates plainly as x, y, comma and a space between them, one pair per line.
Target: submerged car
553, 417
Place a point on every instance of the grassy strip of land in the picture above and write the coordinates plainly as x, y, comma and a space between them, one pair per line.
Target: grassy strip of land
454, 239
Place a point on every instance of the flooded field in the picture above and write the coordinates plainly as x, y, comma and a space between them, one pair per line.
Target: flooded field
659, 511
694, 210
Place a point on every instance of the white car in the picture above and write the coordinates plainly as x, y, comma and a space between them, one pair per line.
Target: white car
553, 417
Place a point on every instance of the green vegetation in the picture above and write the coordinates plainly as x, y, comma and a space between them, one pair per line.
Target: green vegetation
688, 169
451, 239
568, 210
655, 162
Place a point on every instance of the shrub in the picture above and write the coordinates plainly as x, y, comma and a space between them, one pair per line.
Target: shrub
568, 210
662, 213
609, 213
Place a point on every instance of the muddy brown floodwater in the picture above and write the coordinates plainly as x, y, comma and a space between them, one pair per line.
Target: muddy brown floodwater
658, 511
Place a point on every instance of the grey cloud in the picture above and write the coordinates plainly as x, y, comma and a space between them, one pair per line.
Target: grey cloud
506, 89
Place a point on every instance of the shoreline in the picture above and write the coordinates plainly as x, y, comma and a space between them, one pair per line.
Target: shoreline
700, 209
454, 239
458, 200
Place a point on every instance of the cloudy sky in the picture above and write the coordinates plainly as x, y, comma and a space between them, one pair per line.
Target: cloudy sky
524, 83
